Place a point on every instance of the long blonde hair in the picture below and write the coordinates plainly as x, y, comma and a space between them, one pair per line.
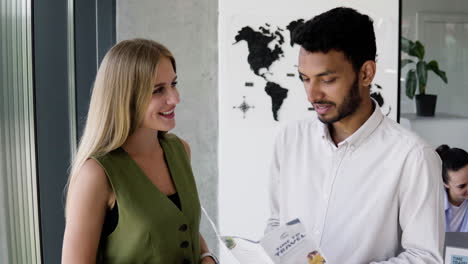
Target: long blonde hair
121, 93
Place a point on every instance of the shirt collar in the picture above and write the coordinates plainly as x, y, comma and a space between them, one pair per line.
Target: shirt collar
363, 132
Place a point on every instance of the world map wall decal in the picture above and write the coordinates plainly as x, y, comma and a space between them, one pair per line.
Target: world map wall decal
261, 57
266, 46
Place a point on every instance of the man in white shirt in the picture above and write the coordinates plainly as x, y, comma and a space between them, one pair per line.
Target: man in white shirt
367, 190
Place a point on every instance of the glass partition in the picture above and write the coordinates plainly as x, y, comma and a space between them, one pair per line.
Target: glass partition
19, 223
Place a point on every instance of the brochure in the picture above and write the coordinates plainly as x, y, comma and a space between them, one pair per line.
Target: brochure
288, 244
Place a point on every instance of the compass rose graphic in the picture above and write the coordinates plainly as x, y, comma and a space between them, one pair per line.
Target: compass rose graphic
244, 107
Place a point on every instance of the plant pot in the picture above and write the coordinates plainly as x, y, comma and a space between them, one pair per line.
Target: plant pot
425, 104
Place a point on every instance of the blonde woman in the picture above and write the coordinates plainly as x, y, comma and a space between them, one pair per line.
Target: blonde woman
131, 192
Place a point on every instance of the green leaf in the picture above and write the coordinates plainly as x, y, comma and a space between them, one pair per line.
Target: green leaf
434, 66
442, 75
417, 50
406, 44
405, 62
410, 83
421, 70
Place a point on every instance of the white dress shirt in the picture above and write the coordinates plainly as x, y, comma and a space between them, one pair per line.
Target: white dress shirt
376, 198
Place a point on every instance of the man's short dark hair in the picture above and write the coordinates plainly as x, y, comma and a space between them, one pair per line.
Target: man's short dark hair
341, 29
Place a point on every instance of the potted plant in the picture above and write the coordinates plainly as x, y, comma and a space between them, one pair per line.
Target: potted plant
417, 76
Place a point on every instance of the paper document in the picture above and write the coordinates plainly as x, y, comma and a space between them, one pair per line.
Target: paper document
288, 244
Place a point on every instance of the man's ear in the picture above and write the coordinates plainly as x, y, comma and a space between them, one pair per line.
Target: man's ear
367, 73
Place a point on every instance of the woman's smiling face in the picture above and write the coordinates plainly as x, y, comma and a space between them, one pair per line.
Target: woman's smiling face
160, 114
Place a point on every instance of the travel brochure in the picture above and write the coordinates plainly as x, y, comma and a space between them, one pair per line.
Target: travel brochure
287, 244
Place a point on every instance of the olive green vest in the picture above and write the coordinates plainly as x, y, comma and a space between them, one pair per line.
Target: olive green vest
151, 229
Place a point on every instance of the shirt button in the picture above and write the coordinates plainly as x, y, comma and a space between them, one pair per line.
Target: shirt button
183, 228
317, 232
186, 261
184, 244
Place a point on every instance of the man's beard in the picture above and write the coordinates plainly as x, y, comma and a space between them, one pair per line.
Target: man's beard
348, 107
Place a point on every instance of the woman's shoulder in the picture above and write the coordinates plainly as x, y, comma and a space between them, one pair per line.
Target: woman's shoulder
92, 173
170, 137
91, 168
91, 183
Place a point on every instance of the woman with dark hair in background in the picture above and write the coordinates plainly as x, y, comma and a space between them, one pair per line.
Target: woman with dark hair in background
455, 177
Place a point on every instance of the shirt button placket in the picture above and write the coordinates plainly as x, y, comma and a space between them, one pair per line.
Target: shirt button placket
337, 158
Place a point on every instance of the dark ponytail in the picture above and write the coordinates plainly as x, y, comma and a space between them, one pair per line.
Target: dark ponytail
453, 159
